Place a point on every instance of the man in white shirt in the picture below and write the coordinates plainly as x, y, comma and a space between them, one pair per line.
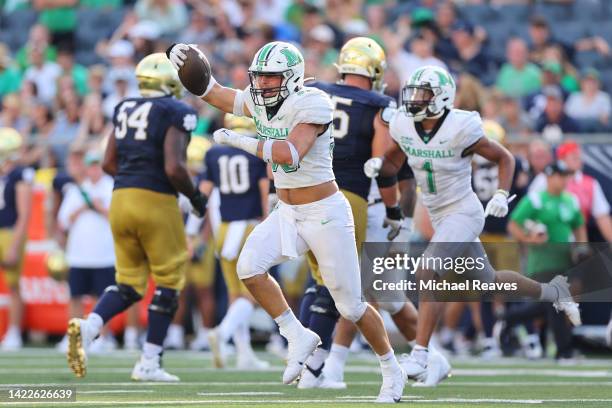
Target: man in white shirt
89, 248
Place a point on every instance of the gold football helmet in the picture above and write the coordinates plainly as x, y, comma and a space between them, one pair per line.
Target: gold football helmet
240, 124
156, 76
198, 146
57, 265
494, 131
10, 143
363, 56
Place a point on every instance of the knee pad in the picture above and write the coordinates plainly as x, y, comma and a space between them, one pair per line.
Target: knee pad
165, 301
128, 293
324, 303
352, 311
247, 265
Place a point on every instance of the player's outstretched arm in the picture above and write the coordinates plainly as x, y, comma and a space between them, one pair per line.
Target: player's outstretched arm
289, 151
227, 99
175, 166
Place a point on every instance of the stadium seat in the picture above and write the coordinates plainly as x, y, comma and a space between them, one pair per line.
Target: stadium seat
87, 57
606, 80
586, 59
553, 12
478, 13
602, 30
589, 10
570, 31
513, 12
16, 27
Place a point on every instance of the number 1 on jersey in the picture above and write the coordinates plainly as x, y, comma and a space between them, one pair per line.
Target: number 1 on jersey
431, 181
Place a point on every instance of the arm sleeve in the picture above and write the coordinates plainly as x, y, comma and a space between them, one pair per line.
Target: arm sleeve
313, 107
600, 204
523, 211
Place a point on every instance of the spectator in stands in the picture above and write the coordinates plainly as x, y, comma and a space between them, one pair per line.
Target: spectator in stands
470, 56
93, 123
569, 81
10, 78
143, 36
39, 38
121, 79
89, 248
541, 38
170, 16
66, 126
321, 53
591, 106
42, 124
11, 114
551, 77
446, 17
513, 118
539, 155
518, 77
405, 63
554, 122
469, 93
271, 12
121, 57
78, 73
199, 31
586, 189
60, 17
43, 73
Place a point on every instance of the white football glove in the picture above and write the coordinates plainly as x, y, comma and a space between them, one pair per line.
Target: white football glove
497, 205
177, 56
393, 220
372, 167
231, 138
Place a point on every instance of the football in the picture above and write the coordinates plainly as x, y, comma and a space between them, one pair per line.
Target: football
195, 72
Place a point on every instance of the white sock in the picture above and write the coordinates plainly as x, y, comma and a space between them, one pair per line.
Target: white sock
202, 331
130, 332
339, 354
13, 330
95, 322
288, 325
447, 335
420, 354
238, 312
175, 330
412, 343
150, 350
242, 339
316, 359
388, 362
549, 292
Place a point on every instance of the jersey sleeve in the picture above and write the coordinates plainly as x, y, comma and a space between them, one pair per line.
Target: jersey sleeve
25, 175
394, 128
314, 107
472, 131
248, 100
184, 118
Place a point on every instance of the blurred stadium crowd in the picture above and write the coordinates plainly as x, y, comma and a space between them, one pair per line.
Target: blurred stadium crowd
537, 71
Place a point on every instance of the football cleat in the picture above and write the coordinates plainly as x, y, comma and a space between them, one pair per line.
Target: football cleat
310, 378
298, 351
565, 303
217, 347
438, 368
532, 347
490, 349
149, 369
413, 369
249, 361
392, 387
200, 342
79, 338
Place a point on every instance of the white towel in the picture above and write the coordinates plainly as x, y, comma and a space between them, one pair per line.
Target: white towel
233, 239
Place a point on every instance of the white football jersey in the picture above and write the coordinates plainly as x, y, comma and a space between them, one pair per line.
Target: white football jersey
442, 170
308, 105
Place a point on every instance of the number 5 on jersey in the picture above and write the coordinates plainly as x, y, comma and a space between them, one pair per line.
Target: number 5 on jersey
138, 119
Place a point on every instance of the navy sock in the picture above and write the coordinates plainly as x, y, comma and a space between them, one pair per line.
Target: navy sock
324, 326
161, 315
488, 318
307, 301
111, 304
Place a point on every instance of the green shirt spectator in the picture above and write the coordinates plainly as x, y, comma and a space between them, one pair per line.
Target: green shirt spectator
57, 18
552, 219
38, 37
10, 80
79, 73
518, 77
103, 4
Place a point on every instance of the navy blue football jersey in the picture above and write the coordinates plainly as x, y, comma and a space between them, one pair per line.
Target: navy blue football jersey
8, 194
61, 182
353, 129
140, 130
236, 174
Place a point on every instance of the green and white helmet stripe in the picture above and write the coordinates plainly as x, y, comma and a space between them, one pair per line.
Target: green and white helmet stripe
441, 84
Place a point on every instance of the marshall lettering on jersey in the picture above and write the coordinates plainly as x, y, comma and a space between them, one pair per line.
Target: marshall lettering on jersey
236, 174
140, 131
353, 130
8, 194
442, 169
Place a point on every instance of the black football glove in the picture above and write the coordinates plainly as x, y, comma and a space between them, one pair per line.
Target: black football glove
393, 220
198, 204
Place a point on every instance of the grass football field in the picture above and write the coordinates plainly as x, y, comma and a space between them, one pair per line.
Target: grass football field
500, 383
